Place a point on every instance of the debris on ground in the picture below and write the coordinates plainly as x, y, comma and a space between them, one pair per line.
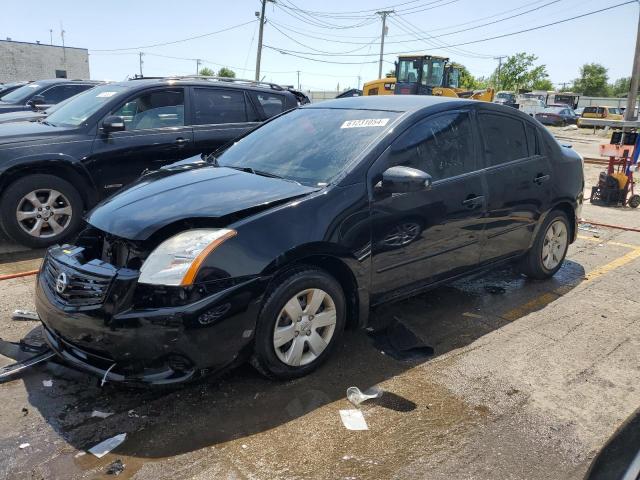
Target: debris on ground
104, 447
132, 414
495, 289
356, 396
25, 411
353, 420
116, 467
24, 445
26, 361
570, 127
47, 383
472, 315
587, 227
24, 315
400, 343
99, 414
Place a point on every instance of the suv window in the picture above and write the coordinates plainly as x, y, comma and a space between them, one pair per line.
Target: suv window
216, 105
271, 104
442, 146
157, 109
504, 138
59, 93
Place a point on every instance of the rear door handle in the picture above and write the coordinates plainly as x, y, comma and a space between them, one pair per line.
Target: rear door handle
540, 179
181, 141
473, 201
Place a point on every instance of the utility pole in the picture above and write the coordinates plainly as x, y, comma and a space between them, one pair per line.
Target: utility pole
498, 83
298, 79
383, 14
260, 32
359, 82
197, 66
141, 62
51, 35
630, 112
64, 52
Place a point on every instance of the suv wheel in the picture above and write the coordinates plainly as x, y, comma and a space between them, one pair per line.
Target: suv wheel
40, 210
300, 323
549, 249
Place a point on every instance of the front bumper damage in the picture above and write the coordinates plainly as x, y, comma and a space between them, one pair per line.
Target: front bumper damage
103, 332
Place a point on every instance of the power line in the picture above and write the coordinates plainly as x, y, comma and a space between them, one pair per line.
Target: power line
480, 40
294, 54
174, 41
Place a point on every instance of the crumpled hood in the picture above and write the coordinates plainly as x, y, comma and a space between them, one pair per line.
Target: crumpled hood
20, 132
164, 197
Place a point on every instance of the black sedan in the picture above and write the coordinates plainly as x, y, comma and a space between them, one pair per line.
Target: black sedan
557, 116
269, 249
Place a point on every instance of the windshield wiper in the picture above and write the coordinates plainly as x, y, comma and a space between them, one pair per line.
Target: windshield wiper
262, 173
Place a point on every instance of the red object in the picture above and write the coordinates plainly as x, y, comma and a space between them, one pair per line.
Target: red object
18, 275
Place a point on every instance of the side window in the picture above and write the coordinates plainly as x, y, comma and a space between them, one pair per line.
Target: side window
215, 105
442, 146
532, 140
271, 104
157, 109
59, 93
504, 138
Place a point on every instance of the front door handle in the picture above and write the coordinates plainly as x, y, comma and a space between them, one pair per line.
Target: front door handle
473, 201
181, 141
540, 179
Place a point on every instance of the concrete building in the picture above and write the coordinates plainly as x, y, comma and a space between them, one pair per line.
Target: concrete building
36, 61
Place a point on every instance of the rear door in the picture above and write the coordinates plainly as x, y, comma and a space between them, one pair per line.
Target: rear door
519, 183
422, 237
220, 115
155, 135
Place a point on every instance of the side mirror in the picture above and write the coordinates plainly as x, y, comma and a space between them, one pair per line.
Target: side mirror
35, 101
113, 123
404, 180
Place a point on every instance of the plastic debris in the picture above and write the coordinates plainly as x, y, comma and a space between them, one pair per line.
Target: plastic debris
24, 445
356, 397
99, 414
79, 454
24, 315
116, 468
353, 420
244, 446
570, 127
104, 447
47, 383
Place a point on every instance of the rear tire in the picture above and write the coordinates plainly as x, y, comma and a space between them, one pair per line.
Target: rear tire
301, 321
549, 250
40, 210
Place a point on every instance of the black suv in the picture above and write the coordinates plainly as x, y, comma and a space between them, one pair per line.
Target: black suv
53, 170
42, 94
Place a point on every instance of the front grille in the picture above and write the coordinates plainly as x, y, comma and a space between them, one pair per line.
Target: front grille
81, 289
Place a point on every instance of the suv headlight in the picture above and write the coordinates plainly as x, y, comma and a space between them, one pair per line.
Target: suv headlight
176, 261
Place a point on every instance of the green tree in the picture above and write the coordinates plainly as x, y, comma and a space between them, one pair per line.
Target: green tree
390, 74
226, 72
467, 80
542, 84
593, 80
621, 87
207, 72
519, 71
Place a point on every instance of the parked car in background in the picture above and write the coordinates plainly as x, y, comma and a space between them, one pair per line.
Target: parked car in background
603, 113
42, 94
51, 171
531, 105
30, 115
10, 87
579, 111
293, 232
506, 98
557, 115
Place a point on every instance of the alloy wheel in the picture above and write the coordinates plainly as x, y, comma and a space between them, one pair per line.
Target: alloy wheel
44, 213
555, 244
304, 327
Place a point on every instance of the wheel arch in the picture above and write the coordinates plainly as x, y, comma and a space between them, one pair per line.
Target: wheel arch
568, 208
74, 174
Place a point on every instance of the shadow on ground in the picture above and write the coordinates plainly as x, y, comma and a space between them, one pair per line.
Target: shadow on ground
163, 424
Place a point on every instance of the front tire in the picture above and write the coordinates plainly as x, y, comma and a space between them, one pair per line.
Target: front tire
301, 321
40, 210
549, 249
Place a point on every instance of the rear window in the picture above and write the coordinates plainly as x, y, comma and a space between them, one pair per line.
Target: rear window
504, 138
271, 104
215, 106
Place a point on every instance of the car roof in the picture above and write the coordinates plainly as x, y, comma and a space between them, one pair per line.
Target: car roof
53, 81
194, 81
398, 103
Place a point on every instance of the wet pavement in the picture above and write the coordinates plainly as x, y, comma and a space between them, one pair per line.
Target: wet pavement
527, 380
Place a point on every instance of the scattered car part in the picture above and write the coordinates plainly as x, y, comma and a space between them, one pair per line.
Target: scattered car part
25, 315
8, 372
104, 447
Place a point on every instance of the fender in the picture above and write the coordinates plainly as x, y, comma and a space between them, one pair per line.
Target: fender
563, 203
51, 163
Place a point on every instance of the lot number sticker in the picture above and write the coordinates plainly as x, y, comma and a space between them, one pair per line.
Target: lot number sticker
367, 122
106, 94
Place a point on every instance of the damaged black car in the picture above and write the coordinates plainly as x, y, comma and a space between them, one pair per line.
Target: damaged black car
271, 248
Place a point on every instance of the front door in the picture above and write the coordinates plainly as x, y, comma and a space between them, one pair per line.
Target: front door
518, 182
422, 237
155, 135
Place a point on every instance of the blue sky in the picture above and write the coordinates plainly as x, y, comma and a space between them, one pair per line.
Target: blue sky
607, 37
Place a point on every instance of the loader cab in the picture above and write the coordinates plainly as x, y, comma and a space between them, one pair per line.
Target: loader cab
420, 74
